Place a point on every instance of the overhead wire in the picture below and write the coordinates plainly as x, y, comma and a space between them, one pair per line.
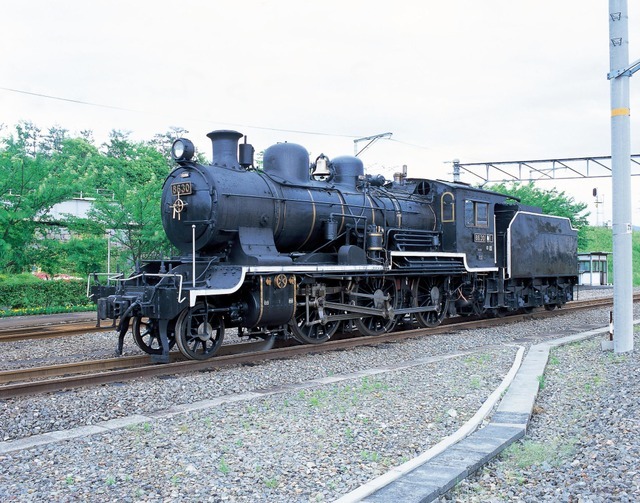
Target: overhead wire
125, 109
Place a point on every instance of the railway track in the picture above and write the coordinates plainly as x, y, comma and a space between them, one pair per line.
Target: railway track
55, 378
13, 334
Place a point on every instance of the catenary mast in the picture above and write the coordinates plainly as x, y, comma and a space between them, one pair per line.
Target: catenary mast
619, 75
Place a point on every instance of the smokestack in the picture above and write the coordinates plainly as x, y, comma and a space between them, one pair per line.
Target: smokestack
225, 148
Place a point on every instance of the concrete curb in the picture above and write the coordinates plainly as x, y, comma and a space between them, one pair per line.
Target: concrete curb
435, 472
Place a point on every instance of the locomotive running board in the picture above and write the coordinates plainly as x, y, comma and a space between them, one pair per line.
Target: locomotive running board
229, 279
444, 255
345, 269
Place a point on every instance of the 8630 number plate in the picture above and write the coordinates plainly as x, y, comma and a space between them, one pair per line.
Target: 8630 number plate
181, 189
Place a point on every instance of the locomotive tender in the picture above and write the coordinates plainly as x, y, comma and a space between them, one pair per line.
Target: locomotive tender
303, 250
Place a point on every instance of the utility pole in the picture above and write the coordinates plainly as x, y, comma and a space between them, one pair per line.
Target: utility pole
621, 175
371, 139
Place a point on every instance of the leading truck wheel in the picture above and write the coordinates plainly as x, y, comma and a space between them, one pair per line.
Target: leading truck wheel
199, 332
146, 334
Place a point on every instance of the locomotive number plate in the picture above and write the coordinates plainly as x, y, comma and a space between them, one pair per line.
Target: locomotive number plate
181, 189
482, 238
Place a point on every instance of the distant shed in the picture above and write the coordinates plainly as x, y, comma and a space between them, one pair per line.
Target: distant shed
593, 268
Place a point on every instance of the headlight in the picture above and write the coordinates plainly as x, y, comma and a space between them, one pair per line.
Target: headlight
182, 150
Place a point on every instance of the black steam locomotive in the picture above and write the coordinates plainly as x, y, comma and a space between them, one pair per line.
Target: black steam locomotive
303, 250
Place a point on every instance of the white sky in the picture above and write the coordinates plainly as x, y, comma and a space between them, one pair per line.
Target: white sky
475, 80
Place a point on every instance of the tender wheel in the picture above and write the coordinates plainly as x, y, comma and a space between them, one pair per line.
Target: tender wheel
429, 292
376, 290
146, 334
199, 332
499, 312
551, 298
311, 334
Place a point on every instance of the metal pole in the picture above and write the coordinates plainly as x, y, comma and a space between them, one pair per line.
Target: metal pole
109, 254
621, 178
193, 256
456, 170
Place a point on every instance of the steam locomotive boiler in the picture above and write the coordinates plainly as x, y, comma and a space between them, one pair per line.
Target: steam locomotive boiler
300, 249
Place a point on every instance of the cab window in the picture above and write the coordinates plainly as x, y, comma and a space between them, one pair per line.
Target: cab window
476, 213
482, 215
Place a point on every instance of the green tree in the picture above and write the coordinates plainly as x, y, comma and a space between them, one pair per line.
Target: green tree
31, 183
132, 175
551, 201
40, 169
52, 142
87, 254
49, 255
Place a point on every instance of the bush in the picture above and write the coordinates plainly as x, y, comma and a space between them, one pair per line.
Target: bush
18, 279
28, 292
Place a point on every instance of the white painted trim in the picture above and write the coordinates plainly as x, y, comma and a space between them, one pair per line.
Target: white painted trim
463, 256
507, 273
272, 269
346, 269
194, 294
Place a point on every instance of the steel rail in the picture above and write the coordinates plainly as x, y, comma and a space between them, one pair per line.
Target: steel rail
50, 331
127, 368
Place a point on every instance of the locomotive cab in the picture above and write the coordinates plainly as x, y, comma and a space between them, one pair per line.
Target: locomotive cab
467, 217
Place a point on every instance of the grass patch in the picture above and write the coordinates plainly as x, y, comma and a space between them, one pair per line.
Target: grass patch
531, 453
475, 382
271, 483
594, 382
370, 456
478, 359
223, 466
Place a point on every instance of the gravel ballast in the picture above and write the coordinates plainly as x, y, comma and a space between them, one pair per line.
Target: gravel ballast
314, 443
582, 444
